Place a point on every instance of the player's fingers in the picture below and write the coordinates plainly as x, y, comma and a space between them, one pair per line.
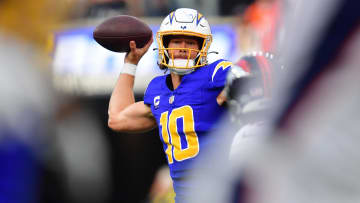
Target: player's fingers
146, 47
149, 43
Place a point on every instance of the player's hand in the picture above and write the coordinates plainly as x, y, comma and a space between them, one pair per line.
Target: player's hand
135, 54
221, 98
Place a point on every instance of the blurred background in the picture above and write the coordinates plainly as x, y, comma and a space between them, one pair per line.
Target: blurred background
56, 82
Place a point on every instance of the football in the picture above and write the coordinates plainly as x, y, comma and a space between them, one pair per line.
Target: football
116, 32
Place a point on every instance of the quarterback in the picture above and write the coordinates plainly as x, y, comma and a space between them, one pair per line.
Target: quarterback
184, 104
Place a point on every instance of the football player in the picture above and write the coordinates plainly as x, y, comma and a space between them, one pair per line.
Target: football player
184, 104
312, 151
249, 96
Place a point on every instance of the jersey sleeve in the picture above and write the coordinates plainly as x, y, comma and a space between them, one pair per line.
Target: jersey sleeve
150, 91
218, 73
147, 95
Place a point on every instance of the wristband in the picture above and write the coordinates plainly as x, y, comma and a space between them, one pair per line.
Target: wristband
129, 68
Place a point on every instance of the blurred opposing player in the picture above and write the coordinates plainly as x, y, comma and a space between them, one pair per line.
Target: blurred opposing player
27, 104
185, 103
312, 152
249, 96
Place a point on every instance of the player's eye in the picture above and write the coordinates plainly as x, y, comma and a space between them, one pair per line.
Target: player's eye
191, 42
177, 41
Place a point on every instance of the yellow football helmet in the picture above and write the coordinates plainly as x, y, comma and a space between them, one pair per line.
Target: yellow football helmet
184, 22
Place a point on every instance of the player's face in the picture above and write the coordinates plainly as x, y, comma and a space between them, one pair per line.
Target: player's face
190, 44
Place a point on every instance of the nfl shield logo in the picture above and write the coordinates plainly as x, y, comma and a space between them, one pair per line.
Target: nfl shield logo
171, 99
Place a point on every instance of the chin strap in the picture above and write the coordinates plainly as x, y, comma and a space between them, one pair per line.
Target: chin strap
181, 71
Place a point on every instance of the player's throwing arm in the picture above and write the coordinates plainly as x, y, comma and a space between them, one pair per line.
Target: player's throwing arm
126, 34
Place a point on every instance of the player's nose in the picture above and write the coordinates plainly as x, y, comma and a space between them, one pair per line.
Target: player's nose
183, 44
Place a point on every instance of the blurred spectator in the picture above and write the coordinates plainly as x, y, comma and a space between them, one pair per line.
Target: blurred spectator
208, 7
246, 39
232, 7
104, 8
159, 7
263, 16
155, 8
107, 8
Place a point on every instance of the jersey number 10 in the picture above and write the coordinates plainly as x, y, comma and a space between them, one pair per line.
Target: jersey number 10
171, 137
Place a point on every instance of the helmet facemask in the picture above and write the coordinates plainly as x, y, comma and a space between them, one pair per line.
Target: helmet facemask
187, 65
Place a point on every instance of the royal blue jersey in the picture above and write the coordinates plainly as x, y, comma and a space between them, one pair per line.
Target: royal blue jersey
186, 115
